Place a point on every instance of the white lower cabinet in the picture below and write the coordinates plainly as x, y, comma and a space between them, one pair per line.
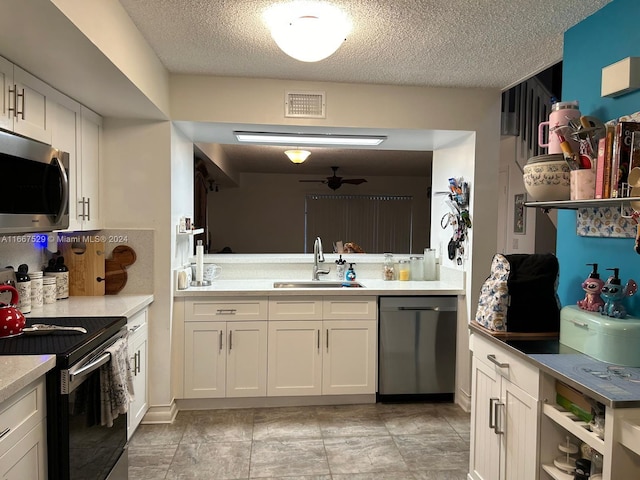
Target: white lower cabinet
504, 415
225, 359
332, 356
23, 447
295, 358
137, 345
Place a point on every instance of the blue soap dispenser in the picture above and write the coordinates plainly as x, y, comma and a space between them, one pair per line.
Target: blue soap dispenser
351, 273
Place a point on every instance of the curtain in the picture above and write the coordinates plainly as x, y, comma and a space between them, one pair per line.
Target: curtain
378, 223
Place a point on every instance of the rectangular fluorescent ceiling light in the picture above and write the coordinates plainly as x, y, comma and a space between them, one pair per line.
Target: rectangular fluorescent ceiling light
309, 139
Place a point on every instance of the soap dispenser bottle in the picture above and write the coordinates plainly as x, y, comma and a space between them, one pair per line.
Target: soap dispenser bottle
592, 301
351, 273
340, 268
613, 293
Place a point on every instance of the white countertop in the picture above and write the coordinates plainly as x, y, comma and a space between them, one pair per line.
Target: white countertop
371, 287
98, 306
19, 371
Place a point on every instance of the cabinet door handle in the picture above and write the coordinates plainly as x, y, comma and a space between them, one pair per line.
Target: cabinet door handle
20, 95
138, 363
226, 311
495, 428
136, 328
318, 339
88, 209
220, 341
327, 339
13, 91
4, 432
492, 420
492, 358
230, 340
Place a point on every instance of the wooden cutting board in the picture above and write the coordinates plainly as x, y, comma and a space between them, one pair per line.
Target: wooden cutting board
85, 261
115, 276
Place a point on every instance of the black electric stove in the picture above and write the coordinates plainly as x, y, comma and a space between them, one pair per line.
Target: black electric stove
67, 346
80, 446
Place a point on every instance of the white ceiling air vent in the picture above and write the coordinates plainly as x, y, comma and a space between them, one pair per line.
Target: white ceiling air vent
304, 104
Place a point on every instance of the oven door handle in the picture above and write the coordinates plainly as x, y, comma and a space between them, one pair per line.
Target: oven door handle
89, 367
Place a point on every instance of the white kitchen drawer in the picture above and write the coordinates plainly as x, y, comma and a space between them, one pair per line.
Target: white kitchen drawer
227, 309
516, 370
135, 322
20, 413
295, 308
350, 308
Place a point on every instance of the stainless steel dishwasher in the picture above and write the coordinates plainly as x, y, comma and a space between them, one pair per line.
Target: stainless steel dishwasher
417, 348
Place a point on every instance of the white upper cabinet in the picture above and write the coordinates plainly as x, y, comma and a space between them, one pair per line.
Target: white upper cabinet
26, 103
88, 193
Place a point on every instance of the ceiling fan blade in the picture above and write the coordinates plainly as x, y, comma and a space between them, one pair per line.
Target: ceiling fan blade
354, 181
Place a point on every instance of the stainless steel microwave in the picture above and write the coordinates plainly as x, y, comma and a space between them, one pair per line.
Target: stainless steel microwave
34, 188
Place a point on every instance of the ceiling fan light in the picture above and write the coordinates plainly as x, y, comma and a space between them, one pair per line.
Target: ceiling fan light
308, 31
297, 156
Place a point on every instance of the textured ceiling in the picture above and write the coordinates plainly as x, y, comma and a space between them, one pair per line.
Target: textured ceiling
453, 43
459, 43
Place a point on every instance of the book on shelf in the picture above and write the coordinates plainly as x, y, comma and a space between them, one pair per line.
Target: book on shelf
605, 163
621, 156
600, 159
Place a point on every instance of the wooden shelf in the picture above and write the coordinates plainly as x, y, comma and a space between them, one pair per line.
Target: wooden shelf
194, 231
556, 473
573, 425
577, 204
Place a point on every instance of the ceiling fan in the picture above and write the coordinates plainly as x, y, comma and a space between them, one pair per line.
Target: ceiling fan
336, 182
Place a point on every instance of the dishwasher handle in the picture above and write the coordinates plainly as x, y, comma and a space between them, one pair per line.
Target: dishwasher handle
434, 308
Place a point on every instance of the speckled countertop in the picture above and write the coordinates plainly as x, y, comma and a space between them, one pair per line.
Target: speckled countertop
20, 370
98, 306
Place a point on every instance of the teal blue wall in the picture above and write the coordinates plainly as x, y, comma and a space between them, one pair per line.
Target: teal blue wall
609, 35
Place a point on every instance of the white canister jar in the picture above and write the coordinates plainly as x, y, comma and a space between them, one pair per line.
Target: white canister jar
24, 296
37, 298
430, 269
62, 283
49, 289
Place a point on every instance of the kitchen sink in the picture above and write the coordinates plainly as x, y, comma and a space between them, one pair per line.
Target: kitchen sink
318, 284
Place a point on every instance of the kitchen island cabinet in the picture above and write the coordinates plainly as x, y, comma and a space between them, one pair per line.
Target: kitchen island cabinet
534, 424
504, 414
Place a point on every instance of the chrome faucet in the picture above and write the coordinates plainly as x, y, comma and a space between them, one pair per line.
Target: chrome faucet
318, 257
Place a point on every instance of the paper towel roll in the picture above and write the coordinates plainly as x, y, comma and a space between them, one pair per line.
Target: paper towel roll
199, 262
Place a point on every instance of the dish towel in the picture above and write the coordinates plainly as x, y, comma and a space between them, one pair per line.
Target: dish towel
116, 383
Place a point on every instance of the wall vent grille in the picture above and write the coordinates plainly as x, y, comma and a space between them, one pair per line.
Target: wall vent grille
304, 104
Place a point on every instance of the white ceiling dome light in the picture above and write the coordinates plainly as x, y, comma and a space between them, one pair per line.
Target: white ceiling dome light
308, 31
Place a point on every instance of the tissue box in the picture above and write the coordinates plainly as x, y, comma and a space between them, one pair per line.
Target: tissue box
611, 340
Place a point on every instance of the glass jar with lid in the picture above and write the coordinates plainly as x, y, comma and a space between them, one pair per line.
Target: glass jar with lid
388, 268
417, 268
404, 270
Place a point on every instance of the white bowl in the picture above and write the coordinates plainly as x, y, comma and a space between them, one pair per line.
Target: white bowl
547, 180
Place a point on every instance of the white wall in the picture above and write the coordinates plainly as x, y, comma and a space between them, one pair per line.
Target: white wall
147, 167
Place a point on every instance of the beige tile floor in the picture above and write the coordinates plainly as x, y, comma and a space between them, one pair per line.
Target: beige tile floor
353, 442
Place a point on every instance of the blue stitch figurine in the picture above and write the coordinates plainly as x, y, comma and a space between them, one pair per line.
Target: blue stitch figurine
613, 293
